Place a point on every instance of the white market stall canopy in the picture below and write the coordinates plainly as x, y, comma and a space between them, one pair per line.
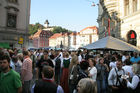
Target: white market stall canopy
110, 42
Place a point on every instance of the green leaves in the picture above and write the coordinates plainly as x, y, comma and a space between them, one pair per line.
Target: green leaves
34, 28
58, 29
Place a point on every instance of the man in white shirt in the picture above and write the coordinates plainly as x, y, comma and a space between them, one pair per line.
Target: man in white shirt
114, 80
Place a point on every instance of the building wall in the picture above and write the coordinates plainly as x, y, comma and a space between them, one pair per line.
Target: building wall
41, 39
88, 36
52, 42
21, 10
124, 19
58, 41
74, 40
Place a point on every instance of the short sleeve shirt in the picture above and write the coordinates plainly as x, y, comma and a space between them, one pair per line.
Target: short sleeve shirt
27, 65
135, 60
10, 82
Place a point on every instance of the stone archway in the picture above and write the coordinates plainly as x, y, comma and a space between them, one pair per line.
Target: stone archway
132, 37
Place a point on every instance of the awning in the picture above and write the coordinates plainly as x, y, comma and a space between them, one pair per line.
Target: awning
110, 42
4, 45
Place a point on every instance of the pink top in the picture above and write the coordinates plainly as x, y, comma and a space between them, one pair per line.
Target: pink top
27, 66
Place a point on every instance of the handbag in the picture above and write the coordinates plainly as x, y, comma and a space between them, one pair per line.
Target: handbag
71, 73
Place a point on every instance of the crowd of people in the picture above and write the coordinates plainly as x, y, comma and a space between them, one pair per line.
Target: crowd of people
63, 71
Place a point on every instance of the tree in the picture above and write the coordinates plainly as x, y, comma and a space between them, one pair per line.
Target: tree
34, 28
58, 29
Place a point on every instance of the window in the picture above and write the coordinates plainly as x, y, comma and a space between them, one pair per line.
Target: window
13, 1
132, 37
126, 7
11, 20
135, 5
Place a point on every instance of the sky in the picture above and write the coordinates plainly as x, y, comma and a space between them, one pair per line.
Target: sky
73, 15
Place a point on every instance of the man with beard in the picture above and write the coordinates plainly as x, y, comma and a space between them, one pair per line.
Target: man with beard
115, 79
9, 79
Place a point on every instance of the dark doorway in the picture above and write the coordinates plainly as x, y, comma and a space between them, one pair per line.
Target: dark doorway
132, 37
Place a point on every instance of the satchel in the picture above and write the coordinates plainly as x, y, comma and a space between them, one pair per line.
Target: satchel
71, 73
123, 84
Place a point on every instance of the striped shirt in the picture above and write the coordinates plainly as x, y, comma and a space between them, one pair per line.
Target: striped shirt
27, 66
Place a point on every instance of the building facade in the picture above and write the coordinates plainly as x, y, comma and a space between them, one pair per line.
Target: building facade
120, 19
74, 40
14, 22
41, 38
60, 40
55, 40
88, 35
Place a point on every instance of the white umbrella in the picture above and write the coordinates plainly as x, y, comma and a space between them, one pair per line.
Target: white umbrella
110, 42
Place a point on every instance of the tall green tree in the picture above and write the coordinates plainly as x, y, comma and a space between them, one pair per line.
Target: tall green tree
58, 29
34, 28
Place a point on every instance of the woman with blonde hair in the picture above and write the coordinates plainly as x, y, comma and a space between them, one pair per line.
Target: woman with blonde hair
73, 73
74, 61
87, 85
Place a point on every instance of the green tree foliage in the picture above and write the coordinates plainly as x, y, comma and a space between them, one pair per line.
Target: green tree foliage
58, 29
34, 28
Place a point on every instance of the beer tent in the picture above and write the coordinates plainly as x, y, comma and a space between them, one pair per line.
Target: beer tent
110, 42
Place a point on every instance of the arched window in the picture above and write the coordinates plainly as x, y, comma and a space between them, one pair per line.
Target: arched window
132, 37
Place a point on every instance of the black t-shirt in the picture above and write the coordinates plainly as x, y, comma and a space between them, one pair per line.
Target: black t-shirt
45, 87
44, 62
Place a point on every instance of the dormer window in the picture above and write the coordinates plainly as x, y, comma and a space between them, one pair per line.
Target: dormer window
13, 1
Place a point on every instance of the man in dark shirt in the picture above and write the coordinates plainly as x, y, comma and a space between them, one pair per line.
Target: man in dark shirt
47, 85
44, 61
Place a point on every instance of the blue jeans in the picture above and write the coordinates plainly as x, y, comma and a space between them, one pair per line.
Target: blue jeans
101, 86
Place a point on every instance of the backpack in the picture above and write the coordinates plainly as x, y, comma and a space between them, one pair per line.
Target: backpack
81, 74
76, 75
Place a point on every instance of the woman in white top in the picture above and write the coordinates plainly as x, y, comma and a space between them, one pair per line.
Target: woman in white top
92, 70
135, 80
